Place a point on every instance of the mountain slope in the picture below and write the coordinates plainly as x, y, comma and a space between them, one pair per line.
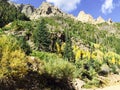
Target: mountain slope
9, 13
70, 50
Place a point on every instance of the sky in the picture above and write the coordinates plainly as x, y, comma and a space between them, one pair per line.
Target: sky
104, 8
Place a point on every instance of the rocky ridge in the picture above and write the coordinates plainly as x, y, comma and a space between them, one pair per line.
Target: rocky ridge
47, 10
26, 9
87, 18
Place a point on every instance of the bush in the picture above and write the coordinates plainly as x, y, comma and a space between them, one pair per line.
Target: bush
56, 66
12, 58
88, 70
60, 69
24, 45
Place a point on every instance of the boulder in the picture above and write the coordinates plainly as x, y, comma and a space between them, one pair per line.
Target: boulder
105, 69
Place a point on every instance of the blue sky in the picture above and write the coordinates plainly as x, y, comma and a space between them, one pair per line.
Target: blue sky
105, 8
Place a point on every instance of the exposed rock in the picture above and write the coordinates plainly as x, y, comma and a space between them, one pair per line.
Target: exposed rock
100, 20
109, 21
87, 18
83, 17
77, 84
26, 9
46, 10
104, 69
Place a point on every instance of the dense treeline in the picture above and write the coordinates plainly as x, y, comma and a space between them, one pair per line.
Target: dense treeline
9, 13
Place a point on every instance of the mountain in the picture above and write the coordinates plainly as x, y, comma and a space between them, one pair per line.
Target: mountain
87, 18
48, 10
54, 50
83, 17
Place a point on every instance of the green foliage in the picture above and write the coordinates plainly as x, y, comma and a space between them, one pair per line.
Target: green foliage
60, 69
9, 13
88, 70
68, 52
56, 66
41, 36
24, 45
46, 56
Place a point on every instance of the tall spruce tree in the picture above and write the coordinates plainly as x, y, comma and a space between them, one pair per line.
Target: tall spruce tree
41, 36
68, 51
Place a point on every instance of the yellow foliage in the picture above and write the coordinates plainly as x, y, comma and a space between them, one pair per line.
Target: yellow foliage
98, 55
63, 46
93, 56
58, 47
75, 48
96, 46
13, 59
113, 60
111, 54
88, 55
77, 55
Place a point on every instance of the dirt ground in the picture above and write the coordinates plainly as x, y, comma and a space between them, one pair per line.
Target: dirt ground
112, 84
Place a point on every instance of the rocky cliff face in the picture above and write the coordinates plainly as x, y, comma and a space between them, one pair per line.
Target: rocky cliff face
83, 17
99, 20
87, 18
26, 9
46, 10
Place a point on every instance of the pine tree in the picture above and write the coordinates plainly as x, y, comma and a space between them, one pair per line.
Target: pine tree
41, 37
68, 51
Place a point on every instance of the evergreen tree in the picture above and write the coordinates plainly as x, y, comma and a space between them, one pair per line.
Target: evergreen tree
9, 13
68, 51
24, 45
41, 36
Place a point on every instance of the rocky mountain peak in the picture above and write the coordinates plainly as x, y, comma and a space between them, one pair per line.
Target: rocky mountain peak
100, 20
87, 18
83, 17
46, 9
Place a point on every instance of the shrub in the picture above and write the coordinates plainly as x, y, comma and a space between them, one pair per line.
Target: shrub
56, 66
24, 45
60, 69
88, 70
12, 58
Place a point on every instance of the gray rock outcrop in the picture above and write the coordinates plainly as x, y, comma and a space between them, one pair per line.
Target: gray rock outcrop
99, 20
86, 18
27, 9
46, 10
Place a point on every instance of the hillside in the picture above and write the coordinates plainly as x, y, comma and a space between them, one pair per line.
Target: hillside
53, 50
9, 13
